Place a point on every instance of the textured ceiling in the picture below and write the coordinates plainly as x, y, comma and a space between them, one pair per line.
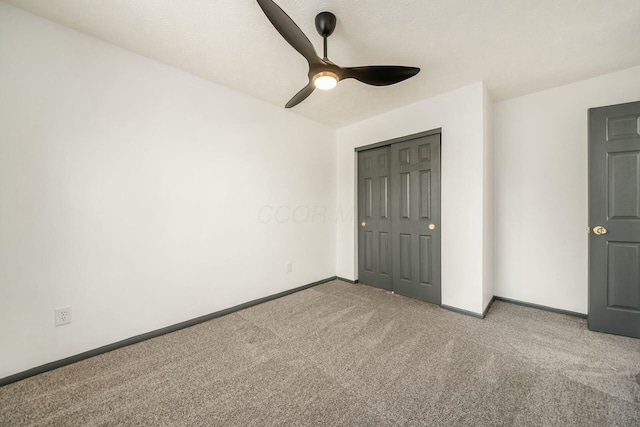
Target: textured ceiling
515, 46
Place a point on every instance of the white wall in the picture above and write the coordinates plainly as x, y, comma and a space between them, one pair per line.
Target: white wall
461, 117
488, 262
131, 191
541, 189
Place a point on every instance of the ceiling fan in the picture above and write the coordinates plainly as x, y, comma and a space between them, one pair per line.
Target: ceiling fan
324, 74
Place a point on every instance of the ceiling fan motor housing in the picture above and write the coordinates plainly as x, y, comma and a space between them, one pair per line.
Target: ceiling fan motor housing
325, 23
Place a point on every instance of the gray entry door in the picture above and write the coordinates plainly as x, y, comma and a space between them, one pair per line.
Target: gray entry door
614, 217
374, 229
415, 216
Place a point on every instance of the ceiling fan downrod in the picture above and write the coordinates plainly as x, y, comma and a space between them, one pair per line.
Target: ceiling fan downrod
325, 25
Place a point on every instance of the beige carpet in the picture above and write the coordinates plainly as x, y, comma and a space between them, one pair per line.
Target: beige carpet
348, 355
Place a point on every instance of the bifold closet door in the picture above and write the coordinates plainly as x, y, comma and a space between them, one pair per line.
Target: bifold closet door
374, 228
415, 218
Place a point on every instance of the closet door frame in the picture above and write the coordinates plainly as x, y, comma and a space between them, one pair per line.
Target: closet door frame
377, 145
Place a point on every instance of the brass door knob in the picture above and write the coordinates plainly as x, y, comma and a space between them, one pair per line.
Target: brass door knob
599, 230
363, 223
432, 226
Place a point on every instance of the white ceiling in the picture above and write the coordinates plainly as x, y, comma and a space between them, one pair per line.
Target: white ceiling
515, 46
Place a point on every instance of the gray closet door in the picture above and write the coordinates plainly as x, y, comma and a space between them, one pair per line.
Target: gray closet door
614, 216
374, 228
415, 215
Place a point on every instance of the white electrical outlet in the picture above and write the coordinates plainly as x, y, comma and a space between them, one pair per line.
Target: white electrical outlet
289, 267
62, 316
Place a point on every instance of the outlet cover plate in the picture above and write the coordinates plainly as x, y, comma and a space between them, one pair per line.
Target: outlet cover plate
62, 316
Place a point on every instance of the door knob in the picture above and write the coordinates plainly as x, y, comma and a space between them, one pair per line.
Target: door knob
599, 230
363, 223
432, 226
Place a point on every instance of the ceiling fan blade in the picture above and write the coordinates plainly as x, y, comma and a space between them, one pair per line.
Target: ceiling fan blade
301, 96
379, 75
289, 30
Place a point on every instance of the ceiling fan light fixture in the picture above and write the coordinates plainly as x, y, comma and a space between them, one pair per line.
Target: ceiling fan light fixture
324, 73
325, 80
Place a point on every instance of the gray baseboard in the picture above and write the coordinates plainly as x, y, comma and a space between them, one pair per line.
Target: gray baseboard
486, 310
516, 302
353, 282
461, 311
541, 307
143, 337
